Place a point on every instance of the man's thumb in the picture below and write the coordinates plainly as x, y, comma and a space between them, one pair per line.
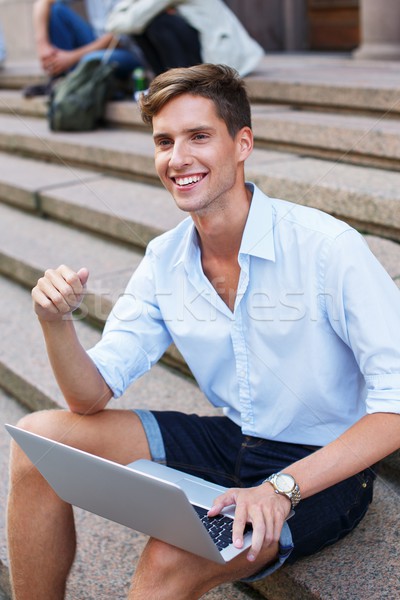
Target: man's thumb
83, 275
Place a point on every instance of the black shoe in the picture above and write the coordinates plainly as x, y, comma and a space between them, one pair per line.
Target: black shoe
39, 89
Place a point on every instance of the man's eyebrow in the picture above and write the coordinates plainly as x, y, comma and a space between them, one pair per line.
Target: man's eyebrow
197, 129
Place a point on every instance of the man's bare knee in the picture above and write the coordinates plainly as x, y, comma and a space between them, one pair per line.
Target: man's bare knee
117, 435
161, 555
48, 423
166, 572
39, 423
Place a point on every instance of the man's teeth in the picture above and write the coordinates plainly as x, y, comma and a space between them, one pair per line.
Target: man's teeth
187, 180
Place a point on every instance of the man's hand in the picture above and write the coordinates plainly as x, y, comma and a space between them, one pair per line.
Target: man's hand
59, 292
260, 506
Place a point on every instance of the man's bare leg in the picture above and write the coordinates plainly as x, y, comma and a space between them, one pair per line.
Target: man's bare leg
40, 528
165, 572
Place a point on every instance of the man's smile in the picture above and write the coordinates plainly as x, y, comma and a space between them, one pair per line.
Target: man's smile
188, 179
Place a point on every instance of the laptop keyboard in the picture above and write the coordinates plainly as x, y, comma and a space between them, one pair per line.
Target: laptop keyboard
219, 527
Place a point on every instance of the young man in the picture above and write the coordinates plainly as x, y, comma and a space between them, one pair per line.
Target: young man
286, 320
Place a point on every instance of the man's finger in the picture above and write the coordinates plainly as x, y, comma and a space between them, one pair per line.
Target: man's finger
83, 275
222, 501
72, 278
43, 303
239, 523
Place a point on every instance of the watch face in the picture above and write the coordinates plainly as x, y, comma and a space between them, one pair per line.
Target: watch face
285, 482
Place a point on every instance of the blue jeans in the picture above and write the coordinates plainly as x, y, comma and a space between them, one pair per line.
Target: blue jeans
68, 30
215, 449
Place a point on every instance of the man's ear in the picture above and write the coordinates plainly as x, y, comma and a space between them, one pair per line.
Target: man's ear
245, 142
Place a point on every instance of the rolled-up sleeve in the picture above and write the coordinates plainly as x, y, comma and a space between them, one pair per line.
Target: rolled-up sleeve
383, 393
135, 335
364, 310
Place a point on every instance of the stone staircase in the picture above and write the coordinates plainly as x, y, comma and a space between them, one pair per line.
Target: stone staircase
328, 135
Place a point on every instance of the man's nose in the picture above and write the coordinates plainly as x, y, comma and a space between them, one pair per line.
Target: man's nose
180, 155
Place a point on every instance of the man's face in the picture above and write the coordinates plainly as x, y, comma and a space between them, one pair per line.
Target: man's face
195, 157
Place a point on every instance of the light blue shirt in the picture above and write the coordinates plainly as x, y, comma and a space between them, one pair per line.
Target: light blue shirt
313, 342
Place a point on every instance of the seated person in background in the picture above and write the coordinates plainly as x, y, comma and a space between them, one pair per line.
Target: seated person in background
64, 38
169, 41
181, 33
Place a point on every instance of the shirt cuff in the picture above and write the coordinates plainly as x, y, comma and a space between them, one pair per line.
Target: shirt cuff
383, 393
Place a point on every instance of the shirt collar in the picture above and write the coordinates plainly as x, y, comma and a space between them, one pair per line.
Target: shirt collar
258, 234
191, 249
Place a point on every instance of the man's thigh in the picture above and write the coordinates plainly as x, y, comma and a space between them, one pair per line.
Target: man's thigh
117, 435
326, 517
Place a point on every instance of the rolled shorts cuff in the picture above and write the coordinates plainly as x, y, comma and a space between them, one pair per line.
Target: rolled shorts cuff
154, 436
285, 549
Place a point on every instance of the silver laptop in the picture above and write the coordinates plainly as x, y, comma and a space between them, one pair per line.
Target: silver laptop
164, 503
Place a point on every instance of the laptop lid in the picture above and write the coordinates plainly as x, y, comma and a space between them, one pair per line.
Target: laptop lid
144, 496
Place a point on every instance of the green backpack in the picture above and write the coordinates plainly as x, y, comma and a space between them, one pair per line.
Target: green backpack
78, 102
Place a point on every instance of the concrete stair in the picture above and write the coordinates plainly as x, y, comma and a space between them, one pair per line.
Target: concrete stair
93, 199
367, 198
348, 138
327, 82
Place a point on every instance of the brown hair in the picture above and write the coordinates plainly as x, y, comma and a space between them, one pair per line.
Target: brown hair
219, 83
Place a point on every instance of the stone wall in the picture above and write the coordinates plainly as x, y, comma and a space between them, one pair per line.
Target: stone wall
276, 24
16, 23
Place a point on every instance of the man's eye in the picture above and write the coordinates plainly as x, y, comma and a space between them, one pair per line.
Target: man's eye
200, 136
164, 143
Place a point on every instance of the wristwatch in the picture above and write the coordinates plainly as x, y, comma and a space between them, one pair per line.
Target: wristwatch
285, 484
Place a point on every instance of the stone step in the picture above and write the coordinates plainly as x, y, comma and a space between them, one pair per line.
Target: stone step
368, 198
128, 211
108, 552
307, 80
362, 140
327, 82
16, 74
30, 245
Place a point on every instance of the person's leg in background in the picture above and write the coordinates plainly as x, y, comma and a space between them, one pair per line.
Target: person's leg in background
67, 29
168, 42
126, 60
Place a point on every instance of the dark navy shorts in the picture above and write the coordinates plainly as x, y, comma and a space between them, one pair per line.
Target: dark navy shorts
215, 449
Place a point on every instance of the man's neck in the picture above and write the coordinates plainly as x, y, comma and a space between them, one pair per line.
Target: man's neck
220, 234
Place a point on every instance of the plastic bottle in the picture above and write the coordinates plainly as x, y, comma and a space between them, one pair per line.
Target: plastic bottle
139, 82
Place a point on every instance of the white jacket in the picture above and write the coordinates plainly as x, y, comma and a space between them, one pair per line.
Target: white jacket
223, 38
